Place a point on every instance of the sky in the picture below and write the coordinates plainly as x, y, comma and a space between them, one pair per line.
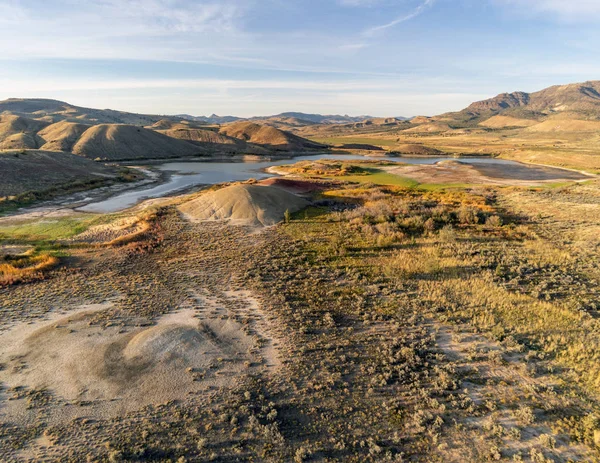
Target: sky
262, 57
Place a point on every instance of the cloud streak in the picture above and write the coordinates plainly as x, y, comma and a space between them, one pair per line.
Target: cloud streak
399, 20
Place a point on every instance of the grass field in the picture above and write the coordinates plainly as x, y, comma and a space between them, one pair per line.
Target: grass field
50, 229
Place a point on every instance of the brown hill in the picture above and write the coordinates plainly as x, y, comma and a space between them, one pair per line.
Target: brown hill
168, 124
18, 132
269, 137
206, 136
501, 122
430, 127
55, 111
416, 149
580, 101
39, 171
499, 103
61, 136
127, 142
284, 123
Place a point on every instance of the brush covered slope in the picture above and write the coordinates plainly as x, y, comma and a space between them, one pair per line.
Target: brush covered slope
37, 171
252, 205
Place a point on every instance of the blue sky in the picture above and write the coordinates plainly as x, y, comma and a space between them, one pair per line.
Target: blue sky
259, 57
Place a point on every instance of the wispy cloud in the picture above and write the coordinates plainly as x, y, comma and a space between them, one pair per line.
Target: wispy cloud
115, 28
580, 10
400, 19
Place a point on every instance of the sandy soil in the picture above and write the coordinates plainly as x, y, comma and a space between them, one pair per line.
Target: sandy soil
86, 368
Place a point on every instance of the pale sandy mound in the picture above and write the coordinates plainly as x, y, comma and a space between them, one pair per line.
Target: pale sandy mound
121, 142
62, 136
566, 126
501, 122
105, 233
252, 205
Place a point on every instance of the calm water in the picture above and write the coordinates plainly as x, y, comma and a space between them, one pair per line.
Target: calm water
190, 174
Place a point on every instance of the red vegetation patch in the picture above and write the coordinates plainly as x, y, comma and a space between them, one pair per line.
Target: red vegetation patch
296, 186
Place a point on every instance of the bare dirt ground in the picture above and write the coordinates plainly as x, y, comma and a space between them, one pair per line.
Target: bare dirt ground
128, 331
486, 174
103, 370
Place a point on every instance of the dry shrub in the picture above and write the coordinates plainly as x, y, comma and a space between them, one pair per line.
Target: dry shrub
468, 215
494, 221
26, 268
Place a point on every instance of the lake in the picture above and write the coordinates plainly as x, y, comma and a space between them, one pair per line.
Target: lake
188, 174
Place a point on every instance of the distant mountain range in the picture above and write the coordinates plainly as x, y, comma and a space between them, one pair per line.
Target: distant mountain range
295, 117
574, 101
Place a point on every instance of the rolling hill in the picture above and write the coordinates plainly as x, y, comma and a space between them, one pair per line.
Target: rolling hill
61, 136
55, 111
268, 136
29, 124
115, 142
